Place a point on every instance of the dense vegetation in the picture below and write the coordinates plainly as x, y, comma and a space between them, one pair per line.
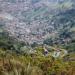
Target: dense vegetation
35, 64
15, 59
21, 58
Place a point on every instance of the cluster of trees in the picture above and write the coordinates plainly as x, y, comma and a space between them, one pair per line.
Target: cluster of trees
15, 60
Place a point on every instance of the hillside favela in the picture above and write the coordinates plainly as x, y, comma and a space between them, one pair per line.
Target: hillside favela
37, 37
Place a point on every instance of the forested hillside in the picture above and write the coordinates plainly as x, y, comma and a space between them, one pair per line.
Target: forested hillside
37, 37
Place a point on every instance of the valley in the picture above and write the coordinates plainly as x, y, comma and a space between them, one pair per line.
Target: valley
37, 37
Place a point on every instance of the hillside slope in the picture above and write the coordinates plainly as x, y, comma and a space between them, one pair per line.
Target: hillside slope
36, 20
